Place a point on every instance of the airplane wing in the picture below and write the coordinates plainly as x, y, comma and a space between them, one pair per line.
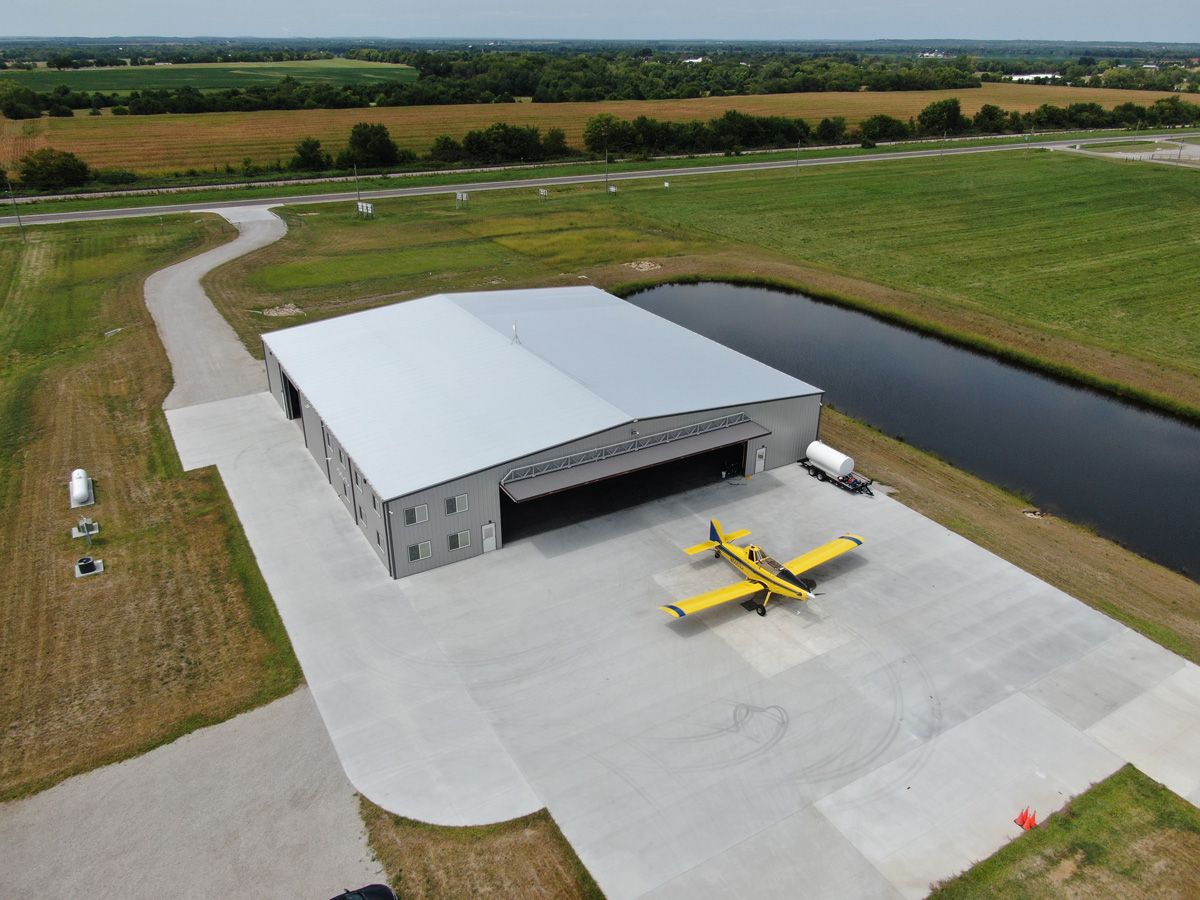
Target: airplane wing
822, 554
713, 598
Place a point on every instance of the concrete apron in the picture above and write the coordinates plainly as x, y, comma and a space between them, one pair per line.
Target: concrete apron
869, 742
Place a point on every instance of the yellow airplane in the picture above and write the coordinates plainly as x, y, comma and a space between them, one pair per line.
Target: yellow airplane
763, 574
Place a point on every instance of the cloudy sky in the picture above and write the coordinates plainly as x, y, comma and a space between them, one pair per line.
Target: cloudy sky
1108, 20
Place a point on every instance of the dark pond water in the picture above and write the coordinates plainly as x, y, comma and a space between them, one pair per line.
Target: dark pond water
1132, 475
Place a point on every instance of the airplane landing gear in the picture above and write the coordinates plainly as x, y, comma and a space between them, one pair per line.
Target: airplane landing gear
761, 609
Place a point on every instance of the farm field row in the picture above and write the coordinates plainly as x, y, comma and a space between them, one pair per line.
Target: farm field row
210, 76
170, 143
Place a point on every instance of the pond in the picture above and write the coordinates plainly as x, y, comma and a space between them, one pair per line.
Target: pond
1130, 474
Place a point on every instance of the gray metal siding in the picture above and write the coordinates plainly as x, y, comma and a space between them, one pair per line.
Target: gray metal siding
483, 498
274, 380
314, 433
793, 423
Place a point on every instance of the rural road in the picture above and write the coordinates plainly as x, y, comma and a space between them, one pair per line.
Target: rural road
557, 181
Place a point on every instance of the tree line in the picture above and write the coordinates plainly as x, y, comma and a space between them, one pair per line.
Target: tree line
460, 77
735, 131
370, 147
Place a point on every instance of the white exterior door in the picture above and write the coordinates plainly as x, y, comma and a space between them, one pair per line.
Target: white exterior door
760, 460
489, 537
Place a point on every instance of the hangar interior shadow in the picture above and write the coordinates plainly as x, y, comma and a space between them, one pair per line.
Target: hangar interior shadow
534, 517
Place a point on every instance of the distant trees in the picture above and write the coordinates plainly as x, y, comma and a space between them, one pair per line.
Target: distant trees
831, 130
371, 146
48, 169
502, 143
942, 117
18, 102
729, 132
883, 128
310, 157
990, 119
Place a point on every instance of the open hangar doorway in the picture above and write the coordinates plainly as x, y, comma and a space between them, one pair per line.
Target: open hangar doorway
610, 494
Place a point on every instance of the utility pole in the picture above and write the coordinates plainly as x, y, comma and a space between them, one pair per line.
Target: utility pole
606, 157
16, 211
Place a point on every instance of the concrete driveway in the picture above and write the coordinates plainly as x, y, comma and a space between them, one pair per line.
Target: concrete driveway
208, 360
256, 806
876, 739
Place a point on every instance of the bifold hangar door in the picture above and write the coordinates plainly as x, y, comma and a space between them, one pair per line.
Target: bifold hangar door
553, 476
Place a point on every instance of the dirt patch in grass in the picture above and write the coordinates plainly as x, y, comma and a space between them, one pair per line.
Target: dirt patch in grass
1124, 837
1159, 603
526, 857
180, 630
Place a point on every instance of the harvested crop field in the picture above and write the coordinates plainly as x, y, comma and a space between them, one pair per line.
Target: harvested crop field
170, 143
180, 630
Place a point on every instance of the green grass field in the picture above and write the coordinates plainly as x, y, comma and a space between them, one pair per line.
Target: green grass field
1125, 837
1074, 260
211, 76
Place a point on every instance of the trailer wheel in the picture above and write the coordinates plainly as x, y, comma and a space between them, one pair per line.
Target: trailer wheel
812, 473
821, 476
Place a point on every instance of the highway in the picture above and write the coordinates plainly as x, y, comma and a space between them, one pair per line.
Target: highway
531, 183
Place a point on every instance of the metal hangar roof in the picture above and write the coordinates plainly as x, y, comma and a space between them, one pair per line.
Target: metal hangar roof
428, 390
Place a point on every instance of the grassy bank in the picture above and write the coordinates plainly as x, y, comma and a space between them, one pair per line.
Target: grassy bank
167, 143
1019, 254
1160, 604
179, 631
1125, 837
526, 857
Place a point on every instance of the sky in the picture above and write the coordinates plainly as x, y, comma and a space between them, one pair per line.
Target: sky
1093, 20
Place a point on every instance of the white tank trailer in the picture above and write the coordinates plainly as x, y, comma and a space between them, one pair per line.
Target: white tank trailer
826, 464
81, 488
833, 463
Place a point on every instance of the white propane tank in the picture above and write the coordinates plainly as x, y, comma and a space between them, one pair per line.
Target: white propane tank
81, 487
825, 457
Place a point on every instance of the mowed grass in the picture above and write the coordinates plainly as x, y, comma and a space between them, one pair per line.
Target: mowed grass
526, 857
210, 76
180, 630
169, 143
1125, 837
1073, 260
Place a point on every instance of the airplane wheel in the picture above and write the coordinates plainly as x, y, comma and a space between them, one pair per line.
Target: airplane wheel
716, 554
761, 610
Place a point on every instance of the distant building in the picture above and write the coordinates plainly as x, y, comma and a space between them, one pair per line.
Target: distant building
1036, 76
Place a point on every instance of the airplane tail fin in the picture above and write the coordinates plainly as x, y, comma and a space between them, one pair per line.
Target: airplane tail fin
716, 537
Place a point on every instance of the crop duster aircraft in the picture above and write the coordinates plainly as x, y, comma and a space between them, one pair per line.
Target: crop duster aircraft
763, 575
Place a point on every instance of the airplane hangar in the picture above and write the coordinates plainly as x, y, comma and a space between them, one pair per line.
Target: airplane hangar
435, 418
